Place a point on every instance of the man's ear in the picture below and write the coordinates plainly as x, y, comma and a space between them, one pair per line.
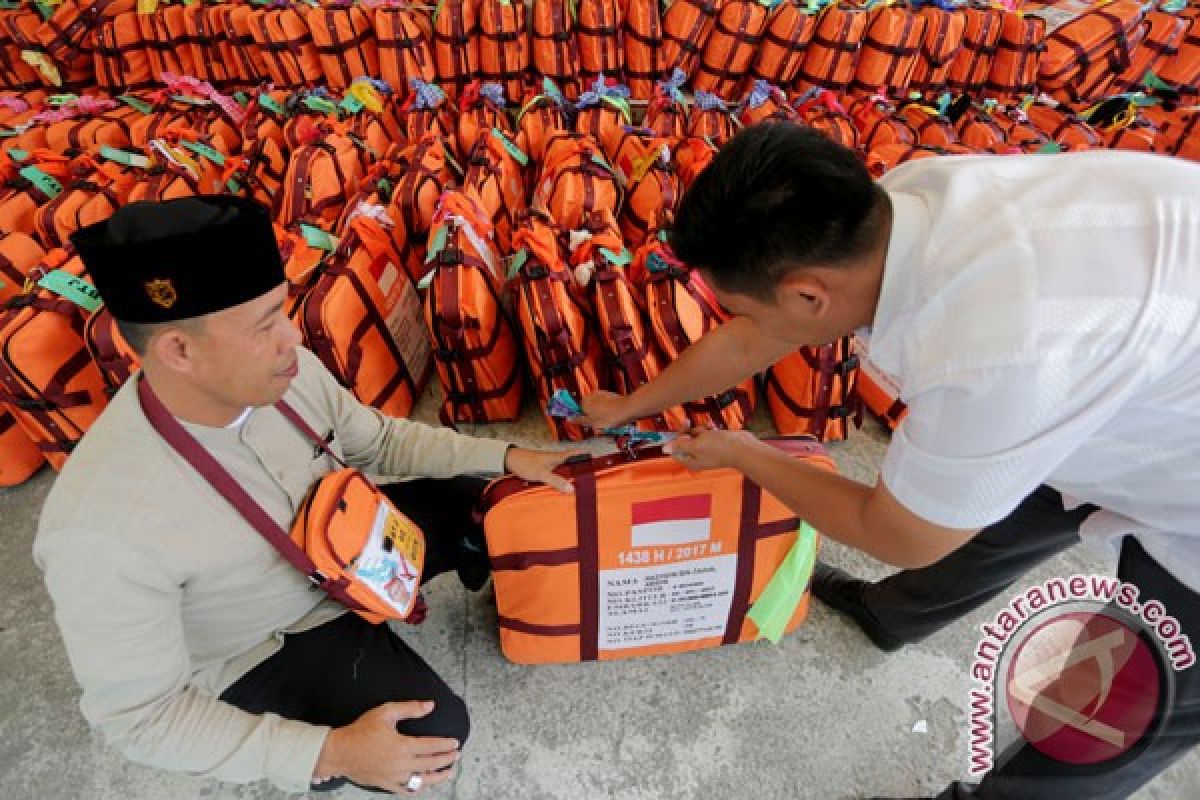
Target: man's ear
803, 292
172, 347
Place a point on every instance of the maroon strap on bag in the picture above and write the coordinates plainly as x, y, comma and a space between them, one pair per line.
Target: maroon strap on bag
203, 462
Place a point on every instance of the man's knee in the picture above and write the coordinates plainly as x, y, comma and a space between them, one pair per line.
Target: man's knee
449, 719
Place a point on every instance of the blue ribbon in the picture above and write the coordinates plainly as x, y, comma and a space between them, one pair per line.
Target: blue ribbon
429, 95
493, 93
707, 101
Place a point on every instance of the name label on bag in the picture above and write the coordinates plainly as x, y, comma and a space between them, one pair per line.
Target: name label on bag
73, 288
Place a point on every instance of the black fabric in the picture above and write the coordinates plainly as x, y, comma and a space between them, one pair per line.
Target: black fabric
914, 603
333, 674
162, 261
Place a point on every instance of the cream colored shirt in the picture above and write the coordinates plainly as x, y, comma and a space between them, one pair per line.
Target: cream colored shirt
165, 596
1040, 316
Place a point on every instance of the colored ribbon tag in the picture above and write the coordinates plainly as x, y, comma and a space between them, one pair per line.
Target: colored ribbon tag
73, 288
776, 606
317, 238
147, 6
124, 157
204, 151
1050, 148
43, 182
233, 186
437, 243
136, 103
562, 405
321, 105
516, 262
517, 153
426, 279
350, 104
47, 11
271, 104
42, 63
16, 154
622, 259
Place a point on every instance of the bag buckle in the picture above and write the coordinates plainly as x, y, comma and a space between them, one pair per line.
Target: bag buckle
317, 579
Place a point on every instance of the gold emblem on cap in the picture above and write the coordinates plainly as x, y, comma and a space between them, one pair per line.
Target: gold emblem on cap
162, 292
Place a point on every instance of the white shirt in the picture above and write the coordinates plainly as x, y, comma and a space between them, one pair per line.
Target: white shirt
1041, 317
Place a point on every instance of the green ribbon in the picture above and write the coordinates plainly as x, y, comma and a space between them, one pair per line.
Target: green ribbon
320, 105
271, 104
518, 260
437, 243
16, 154
44, 183
124, 157
511, 146
73, 288
777, 604
622, 259
315, 237
136, 103
205, 151
351, 104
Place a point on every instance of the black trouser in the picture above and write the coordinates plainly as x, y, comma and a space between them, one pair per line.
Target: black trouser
913, 604
333, 674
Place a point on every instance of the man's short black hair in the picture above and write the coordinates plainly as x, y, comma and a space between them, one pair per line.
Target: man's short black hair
138, 334
777, 197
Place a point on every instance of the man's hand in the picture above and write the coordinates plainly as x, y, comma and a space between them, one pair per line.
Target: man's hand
538, 466
371, 752
604, 410
705, 448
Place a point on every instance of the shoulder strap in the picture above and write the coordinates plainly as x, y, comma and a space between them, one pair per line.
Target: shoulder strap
219, 478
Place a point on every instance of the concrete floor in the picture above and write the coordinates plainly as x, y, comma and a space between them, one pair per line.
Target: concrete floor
822, 715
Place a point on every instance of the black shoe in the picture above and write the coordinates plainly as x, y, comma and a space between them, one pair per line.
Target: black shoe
842, 592
474, 566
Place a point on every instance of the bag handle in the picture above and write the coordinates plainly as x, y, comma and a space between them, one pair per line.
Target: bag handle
203, 462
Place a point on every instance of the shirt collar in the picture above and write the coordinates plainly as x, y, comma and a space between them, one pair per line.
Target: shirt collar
900, 292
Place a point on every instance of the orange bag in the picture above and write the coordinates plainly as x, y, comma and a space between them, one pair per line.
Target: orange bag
876, 391
425, 177
1163, 38
878, 123
202, 39
1064, 126
561, 348
172, 116
976, 127
1183, 69
832, 54
1124, 127
47, 380
576, 180
692, 155
504, 45
1102, 38
667, 114
932, 129
20, 457
819, 109
765, 102
812, 391
363, 319
39, 181
541, 117
643, 32
555, 54
597, 32
1180, 134
787, 36
455, 47
981, 35
19, 254
14, 72
122, 58
108, 349
712, 118
886, 157
319, 178
632, 352
165, 34
66, 34
234, 42
687, 24
681, 309
345, 43
652, 189
643, 558
736, 39
89, 195
496, 180
890, 49
475, 349
403, 37
1014, 71
940, 46
603, 112
427, 110
1019, 132
184, 174
481, 108
285, 46
86, 124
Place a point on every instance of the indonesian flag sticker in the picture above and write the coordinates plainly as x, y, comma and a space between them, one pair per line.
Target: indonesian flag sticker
671, 521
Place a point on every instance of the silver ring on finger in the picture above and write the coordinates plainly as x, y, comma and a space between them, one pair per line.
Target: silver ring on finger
415, 782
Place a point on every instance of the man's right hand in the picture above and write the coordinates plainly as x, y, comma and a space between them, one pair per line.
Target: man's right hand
604, 410
371, 752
